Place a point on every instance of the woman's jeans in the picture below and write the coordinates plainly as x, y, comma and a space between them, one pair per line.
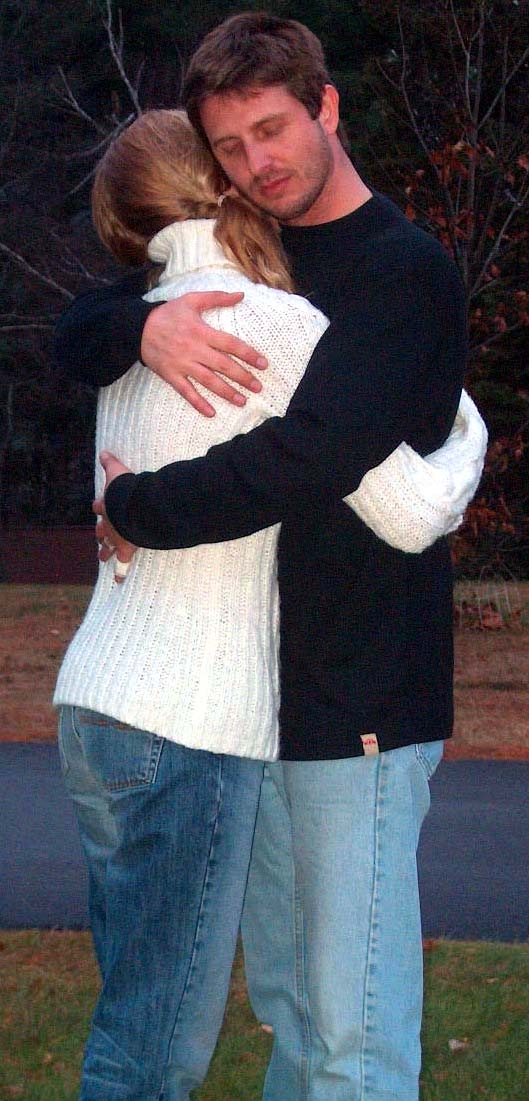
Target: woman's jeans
331, 925
167, 834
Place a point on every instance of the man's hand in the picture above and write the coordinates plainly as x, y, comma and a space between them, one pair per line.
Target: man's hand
110, 541
113, 467
178, 346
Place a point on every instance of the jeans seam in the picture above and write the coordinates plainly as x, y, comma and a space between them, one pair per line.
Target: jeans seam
304, 1066
61, 736
199, 925
371, 946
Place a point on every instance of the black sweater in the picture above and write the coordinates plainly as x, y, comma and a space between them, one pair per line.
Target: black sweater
366, 631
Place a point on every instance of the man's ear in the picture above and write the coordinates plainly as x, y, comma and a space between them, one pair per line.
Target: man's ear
329, 115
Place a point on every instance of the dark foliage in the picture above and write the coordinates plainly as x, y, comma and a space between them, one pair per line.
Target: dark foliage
433, 121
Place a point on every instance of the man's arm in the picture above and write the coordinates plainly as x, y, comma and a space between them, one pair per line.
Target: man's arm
107, 330
372, 382
98, 337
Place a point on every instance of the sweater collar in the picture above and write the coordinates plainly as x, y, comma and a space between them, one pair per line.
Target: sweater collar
186, 247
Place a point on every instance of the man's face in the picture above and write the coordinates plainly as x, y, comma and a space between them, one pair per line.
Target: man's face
273, 152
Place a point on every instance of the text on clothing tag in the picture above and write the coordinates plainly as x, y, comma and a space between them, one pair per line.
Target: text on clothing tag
370, 744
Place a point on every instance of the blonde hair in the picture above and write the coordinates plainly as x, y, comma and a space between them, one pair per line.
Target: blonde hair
158, 171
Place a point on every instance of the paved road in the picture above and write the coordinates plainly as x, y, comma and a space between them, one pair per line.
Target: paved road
473, 858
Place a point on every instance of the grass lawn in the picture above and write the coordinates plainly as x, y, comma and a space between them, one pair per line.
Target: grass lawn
476, 1027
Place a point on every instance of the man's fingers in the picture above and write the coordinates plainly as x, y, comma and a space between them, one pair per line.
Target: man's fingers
121, 570
106, 547
211, 300
211, 377
111, 465
125, 551
225, 342
183, 349
111, 545
185, 388
232, 350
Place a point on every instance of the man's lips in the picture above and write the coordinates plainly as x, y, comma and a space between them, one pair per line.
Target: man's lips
273, 187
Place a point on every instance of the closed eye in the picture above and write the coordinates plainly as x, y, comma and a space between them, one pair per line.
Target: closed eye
272, 130
227, 149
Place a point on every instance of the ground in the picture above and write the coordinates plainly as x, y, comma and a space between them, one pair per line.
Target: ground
491, 695
491, 669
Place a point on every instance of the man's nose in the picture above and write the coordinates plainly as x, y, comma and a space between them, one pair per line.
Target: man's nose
258, 158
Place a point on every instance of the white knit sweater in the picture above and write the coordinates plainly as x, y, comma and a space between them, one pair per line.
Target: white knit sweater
187, 646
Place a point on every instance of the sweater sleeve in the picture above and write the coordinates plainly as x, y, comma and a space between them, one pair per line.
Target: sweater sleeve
387, 370
410, 501
98, 337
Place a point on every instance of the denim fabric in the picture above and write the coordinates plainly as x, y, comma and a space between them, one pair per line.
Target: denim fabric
167, 834
331, 925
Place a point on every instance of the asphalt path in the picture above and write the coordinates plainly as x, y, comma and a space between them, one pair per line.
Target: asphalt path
473, 856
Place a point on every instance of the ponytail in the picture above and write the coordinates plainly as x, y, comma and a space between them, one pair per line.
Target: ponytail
252, 240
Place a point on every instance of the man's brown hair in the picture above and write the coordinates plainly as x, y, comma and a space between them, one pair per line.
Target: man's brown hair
257, 50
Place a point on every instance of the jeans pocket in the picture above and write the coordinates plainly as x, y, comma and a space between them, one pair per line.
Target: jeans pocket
121, 756
429, 755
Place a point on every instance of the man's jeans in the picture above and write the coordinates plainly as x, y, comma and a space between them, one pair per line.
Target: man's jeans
167, 833
331, 925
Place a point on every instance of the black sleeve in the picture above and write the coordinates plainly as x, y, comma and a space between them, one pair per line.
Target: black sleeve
389, 370
98, 337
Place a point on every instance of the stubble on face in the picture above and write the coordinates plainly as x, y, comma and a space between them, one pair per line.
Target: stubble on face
306, 184
287, 174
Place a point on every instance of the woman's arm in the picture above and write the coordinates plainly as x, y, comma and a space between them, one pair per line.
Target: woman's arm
410, 501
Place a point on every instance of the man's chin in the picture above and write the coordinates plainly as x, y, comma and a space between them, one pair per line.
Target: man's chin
290, 211
283, 211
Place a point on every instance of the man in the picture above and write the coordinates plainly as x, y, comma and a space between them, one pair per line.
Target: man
332, 926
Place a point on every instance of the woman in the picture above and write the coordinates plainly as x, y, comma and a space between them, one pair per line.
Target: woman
169, 690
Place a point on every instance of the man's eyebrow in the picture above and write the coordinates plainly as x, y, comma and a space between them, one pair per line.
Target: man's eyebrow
277, 116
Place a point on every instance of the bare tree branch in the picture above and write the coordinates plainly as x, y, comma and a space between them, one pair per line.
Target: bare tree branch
26, 326
30, 270
70, 98
116, 49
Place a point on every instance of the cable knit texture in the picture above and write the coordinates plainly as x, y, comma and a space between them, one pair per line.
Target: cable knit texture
186, 647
